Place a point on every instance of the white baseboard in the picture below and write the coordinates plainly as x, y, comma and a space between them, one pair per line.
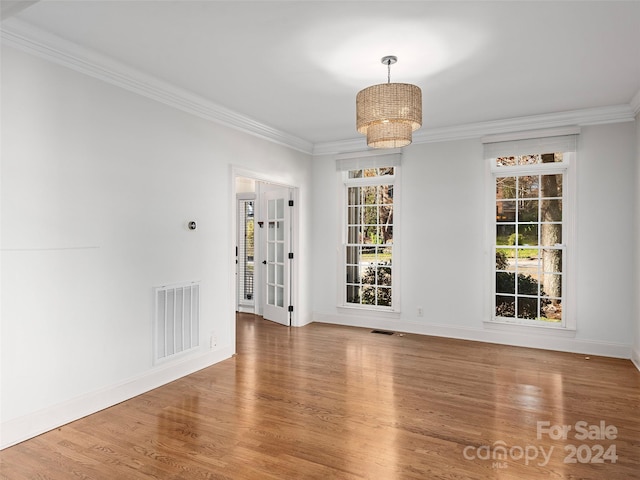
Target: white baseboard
635, 357
518, 339
22, 428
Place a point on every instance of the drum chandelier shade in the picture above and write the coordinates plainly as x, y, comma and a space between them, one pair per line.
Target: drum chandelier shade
389, 113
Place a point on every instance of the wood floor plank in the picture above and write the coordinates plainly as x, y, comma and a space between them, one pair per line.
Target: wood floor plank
327, 401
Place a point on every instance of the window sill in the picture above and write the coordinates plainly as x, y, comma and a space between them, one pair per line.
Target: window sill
530, 329
370, 312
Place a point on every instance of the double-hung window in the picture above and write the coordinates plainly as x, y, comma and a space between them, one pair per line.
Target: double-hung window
531, 228
370, 202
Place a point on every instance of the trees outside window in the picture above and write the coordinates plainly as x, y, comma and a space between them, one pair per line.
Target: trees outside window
529, 238
369, 237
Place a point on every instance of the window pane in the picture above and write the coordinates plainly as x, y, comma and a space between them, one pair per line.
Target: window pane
280, 276
271, 273
353, 274
505, 161
384, 296
505, 211
552, 185
353, 215
551, 210
552, 260
385, 254
280, 297
527, 234
505, 306
355, 173
502, 261
551, 285
354, 235
368, 195
387, 234
271, 295
369, 233
550, 234
353, 255
551, 310
353, 294
528, 285
384, 276
371, 215
386, 214
529, 186
527, 308
387, 194
505, 282
353, 196
368, 295
528, 211
528, 159
506, 187
368, 255
529, 224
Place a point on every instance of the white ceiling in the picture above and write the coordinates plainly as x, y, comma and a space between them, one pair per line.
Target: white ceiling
296, 66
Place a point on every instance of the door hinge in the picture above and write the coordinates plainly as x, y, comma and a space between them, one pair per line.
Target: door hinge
291, 308
291, 255
291, 203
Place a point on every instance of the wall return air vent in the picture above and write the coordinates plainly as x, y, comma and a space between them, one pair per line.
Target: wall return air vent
177, 320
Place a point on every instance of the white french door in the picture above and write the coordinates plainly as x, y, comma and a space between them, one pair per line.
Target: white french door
277, 248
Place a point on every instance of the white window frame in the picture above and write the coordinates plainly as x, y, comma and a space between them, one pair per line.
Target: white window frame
357, 161
523, 143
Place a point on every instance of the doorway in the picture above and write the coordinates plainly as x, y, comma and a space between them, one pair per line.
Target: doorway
265, 239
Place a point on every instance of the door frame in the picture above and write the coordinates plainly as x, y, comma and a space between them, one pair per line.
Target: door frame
273, 179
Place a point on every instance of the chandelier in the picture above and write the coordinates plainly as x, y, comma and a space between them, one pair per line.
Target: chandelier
389, 113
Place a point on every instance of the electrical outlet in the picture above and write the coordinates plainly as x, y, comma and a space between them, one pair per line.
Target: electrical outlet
420, 312
212, 341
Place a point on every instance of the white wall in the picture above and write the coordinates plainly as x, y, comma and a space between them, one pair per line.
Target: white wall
636, 344
443, 263
98, 185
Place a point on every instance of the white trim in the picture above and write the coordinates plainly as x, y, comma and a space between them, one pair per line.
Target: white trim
635, 358
523, 145
343, 184
525, 328
517, 339
587, 116
50, 47
35, 41
568, 169
375, 159
527, 135
19, 429
297, 318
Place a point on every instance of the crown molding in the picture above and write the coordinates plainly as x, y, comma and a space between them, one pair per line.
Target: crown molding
588, 116
25, 37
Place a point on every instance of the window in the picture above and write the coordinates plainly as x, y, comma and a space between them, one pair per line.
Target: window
245, 252
531, 223
368, 242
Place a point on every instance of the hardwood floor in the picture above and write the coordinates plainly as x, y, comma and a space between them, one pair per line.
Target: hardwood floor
334, 402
